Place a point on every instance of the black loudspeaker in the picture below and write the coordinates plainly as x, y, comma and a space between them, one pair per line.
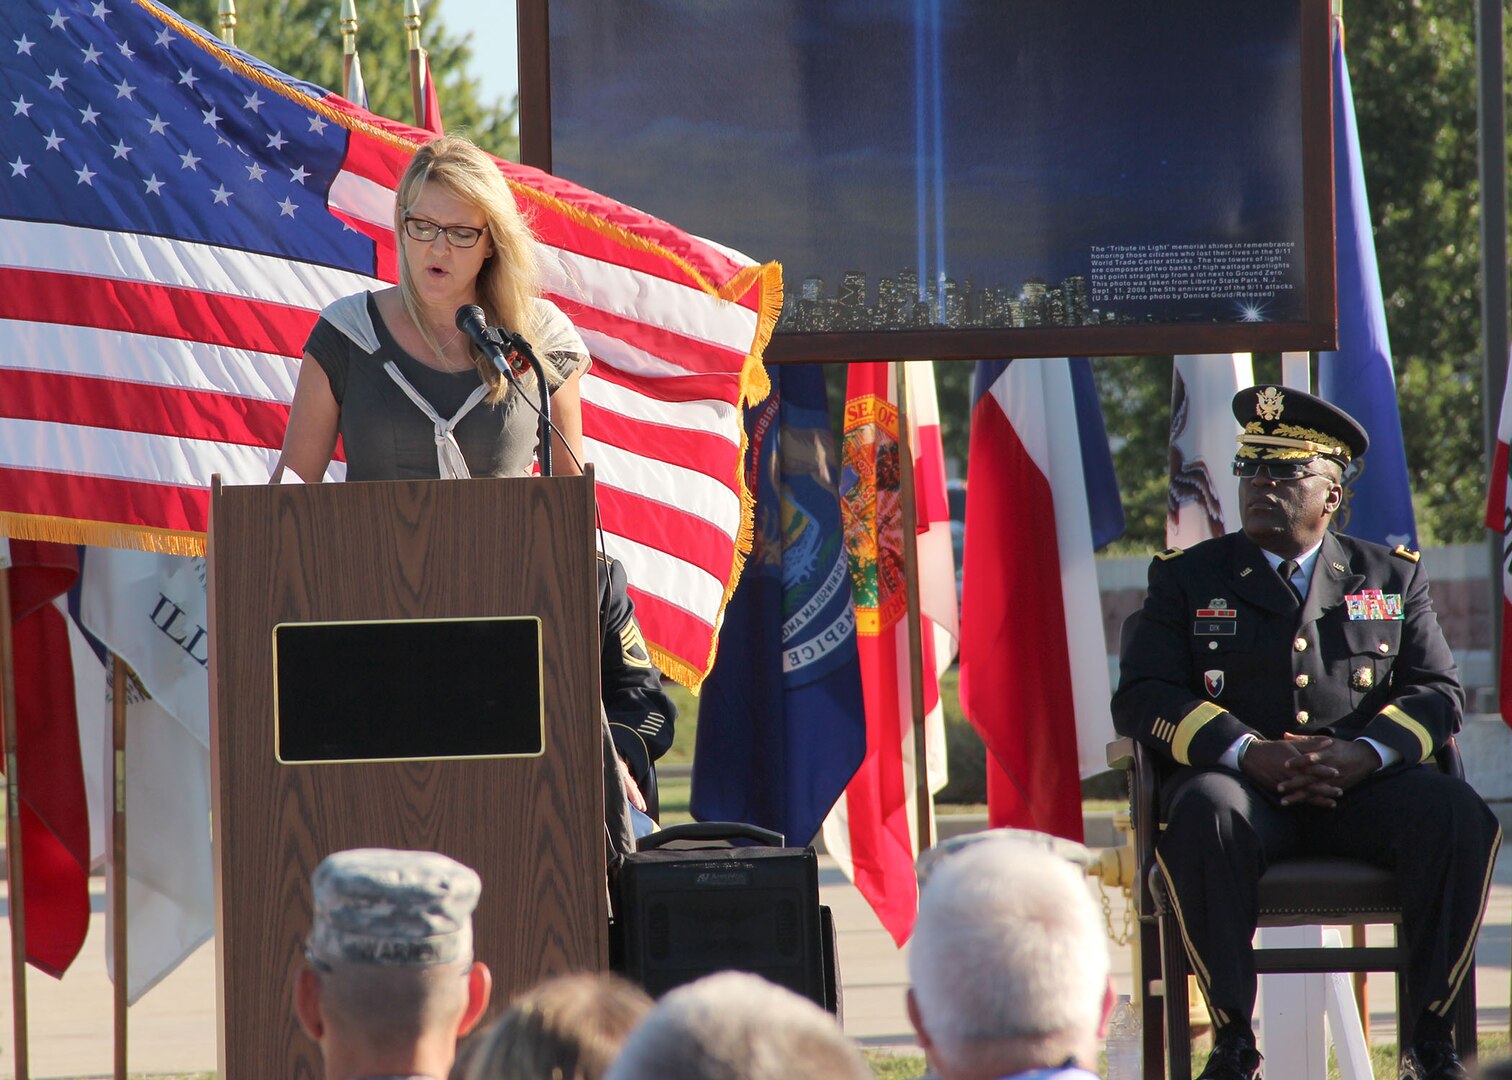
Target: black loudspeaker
682, 914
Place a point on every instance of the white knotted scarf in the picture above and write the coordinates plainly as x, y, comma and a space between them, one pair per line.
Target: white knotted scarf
449, 461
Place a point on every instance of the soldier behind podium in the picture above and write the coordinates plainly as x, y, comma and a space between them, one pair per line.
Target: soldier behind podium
390, 982
1297, 684
640, 713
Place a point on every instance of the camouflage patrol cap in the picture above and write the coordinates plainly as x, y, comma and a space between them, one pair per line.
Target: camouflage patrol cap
1281, 424
392, 909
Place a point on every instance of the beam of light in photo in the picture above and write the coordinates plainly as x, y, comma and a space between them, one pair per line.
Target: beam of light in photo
936, 94
921, 174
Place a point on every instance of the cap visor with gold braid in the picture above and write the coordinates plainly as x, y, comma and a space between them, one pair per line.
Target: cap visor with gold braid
1279, 424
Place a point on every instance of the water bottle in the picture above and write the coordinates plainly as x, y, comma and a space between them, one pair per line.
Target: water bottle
1124, 1045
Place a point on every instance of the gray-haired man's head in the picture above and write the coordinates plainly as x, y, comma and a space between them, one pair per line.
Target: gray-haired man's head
1008, 962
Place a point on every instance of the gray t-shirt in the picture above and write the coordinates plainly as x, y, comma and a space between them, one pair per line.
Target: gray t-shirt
385, 435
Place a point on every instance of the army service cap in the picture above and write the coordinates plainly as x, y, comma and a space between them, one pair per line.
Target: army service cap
1281, 424
392, 909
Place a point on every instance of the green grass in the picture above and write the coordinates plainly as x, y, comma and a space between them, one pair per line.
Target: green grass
886, 1065
686, 730
1383, 1060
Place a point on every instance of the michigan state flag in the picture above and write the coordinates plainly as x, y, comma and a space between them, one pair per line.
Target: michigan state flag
780, 721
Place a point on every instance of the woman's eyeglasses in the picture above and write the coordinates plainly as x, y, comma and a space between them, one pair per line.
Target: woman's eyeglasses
462, 236
1276, 470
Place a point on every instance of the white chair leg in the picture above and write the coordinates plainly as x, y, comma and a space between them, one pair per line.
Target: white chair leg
1344, 1021
1291, 1010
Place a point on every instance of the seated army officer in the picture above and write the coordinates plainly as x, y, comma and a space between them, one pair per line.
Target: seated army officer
1298, 682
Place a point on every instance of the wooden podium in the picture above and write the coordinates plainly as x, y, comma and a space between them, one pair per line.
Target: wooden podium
394, 555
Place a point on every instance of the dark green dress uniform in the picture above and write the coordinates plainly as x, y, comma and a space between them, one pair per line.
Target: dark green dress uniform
640, 713
1224, 649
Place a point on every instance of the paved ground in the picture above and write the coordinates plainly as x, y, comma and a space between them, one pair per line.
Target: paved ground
172, 1030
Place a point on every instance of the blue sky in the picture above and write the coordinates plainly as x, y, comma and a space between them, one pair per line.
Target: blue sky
491, 23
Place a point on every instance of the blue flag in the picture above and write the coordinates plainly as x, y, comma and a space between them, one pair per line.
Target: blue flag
1359, 378
781, 727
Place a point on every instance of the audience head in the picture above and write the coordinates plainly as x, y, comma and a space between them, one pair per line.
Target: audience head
735, 1026
568, 1028
1008, 963
389, 981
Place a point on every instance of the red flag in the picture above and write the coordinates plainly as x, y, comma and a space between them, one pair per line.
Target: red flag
872, 831
1499, 519
54, 813
430, 112
1034, 669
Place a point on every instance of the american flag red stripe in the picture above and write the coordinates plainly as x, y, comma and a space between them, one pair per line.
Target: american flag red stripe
679, 446
158, 410
694, 390
104, 500
695, 358
683, 635
657, 526
150, 308
159, 275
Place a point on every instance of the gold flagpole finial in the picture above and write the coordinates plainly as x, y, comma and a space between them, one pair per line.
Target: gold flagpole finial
417, 60
228, 21
348, 27
412, 23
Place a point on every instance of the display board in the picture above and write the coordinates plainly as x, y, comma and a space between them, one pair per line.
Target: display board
967, 178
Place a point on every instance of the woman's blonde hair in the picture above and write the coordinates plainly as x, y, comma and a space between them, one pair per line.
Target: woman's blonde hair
567, 1028
508, 280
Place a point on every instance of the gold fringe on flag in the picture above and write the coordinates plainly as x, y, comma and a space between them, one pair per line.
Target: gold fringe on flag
58, 530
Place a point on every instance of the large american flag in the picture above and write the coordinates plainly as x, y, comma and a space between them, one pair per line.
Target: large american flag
174, 213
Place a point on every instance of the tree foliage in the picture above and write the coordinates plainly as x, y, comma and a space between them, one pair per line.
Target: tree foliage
303, 39
1413, 68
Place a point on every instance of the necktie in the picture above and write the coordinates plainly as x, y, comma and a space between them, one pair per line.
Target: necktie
1287, 568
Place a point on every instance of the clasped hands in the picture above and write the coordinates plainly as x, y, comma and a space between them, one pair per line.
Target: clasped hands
1311, 769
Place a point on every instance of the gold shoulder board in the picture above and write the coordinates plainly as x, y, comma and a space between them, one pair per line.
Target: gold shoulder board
1169, 553
1401, 552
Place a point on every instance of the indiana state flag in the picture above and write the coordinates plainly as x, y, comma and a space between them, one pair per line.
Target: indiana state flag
781, 727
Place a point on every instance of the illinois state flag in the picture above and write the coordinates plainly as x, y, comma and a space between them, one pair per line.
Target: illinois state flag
872, 832
1040, 496
781, 728
1202, 499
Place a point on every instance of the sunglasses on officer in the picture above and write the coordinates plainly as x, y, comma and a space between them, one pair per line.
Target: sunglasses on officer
1247, 468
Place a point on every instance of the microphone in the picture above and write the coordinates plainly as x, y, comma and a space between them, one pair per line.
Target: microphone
471, 322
